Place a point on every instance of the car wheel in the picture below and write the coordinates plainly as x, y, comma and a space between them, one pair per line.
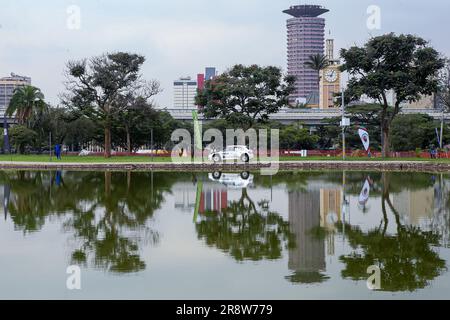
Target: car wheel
216, 175
245, 175
216, 158
245, 158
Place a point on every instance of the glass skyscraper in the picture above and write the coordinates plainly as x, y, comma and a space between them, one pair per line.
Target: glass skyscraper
305, 37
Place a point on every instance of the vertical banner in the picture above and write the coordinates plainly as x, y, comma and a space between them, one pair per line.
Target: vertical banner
198, 145
6, 147
365, 193
364, 135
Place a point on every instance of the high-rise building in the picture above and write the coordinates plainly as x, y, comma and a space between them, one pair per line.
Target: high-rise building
210, 73
7, 87
200, 81
305, 37
184, 91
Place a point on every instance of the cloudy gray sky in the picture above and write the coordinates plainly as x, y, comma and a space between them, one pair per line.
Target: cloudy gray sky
180, 37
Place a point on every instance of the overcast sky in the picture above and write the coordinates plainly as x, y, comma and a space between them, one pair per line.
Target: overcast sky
180, 37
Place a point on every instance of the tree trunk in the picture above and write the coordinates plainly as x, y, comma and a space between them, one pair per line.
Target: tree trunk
128, 140
385, 178
386, 141
128, 181
107, 152
108, 183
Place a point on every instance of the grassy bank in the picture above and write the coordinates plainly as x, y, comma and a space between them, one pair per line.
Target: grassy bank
144, 159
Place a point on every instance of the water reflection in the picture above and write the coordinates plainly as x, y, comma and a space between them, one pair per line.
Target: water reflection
307, 260
242, 228
396, 221
106, 213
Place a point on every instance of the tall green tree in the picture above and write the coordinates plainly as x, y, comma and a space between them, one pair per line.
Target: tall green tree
25, 102
246, 95
296, 138
81, 131
317, 62
95, 87
22, 138
403, 64
134, 124
412, 131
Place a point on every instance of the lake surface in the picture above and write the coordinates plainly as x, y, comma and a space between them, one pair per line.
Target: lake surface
159, 235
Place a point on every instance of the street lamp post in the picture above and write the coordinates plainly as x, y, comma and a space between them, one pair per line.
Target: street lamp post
151, 142
441, 145
343, 124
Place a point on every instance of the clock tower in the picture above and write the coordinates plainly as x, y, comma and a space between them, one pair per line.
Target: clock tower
330, 79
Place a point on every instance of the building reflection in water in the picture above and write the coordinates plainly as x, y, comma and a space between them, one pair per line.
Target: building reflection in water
426, 208
213, 198
415, 206
330, 214
184, 196
307, 260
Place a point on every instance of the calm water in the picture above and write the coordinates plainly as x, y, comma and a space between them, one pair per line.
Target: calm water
158, 235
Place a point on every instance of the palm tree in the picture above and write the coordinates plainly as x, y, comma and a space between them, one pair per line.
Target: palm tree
25, 102
317, 62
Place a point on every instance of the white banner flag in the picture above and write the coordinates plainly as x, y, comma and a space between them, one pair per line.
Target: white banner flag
364, 135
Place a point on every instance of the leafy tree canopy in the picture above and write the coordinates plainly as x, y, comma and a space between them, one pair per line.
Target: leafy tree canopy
246, 95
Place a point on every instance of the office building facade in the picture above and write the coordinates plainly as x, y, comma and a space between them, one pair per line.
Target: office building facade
184, 90
305, 37
7, 87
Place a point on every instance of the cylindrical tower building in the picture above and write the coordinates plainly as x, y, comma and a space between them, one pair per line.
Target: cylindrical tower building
305, 37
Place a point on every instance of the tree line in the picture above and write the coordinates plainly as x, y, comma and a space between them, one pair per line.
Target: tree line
105, 102
108, 101
405, 65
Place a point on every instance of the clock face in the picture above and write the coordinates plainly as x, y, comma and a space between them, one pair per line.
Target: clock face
331, 75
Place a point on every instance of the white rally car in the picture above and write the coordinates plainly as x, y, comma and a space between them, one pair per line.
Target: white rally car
241, 153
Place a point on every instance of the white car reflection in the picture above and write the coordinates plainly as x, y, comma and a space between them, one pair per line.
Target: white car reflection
232, 180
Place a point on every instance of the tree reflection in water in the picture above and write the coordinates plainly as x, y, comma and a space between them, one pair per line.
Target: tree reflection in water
246, 231
407, 260
107, 215
106, 212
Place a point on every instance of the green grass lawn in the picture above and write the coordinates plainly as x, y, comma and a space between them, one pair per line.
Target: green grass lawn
77, 159
131, 159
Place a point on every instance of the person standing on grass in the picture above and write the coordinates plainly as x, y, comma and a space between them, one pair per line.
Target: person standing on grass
58, 151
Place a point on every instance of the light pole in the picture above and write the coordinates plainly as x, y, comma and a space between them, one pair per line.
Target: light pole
50, 145
151, 142
343, 125
441, 145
